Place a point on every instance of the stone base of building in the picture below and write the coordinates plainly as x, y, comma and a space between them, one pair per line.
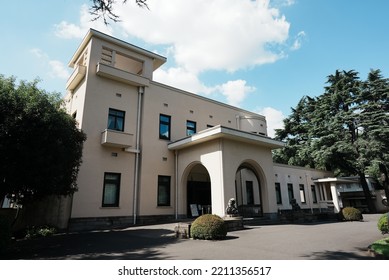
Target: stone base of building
233, 223
94, 223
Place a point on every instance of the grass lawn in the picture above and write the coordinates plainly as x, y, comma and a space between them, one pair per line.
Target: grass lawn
381, 247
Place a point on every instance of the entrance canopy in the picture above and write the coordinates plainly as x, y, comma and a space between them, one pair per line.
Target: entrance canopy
218, 132
223, 152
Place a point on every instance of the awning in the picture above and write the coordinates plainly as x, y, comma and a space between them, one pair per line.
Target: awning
221, 132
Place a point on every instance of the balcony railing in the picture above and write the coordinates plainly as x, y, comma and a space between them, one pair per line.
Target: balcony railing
76, 77
116, 139
117, 74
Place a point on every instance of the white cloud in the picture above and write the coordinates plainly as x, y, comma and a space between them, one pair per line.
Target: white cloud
68, 30
198, 36
235, 91
298, 41
58, 69
282, 3
274, 119
55, 68
180, 78
204, 35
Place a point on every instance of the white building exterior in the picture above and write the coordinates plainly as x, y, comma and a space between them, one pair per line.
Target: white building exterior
152, 150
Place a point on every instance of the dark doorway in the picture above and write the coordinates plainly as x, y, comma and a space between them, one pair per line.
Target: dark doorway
199, 194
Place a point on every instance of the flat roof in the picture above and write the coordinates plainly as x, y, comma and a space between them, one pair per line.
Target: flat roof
218, 132
158, 59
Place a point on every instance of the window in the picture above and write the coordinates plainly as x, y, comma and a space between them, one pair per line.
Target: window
190, 128
164, 127
290, 192
302, 194
111, 190
278, 193
163, 190
116, 120
314, 196
249, 192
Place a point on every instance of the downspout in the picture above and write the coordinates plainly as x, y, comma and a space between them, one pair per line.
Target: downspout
176, 181
137, 153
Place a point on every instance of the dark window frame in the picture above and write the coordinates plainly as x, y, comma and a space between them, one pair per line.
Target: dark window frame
250, 193
114, 116
314, 194
278, 193
164, 185
165, 121
116, 182
191, 127
290, 192
302, 190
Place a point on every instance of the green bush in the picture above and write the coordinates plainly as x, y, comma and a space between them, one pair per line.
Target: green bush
5, 233
383, 224
351, 214
39, 231
209, 227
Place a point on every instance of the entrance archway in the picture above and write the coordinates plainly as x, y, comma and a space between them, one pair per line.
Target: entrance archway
248, 191
198, 191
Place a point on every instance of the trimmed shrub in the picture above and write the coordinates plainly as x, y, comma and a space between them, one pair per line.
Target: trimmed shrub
351, 214
5, 233
209, 227
382, 224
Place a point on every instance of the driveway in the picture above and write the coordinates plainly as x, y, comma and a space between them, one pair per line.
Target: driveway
326, 241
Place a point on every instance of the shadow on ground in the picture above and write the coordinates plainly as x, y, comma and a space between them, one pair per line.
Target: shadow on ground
339, 255
102, 245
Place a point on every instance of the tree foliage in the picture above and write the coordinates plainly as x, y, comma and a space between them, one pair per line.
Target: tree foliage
104, 9
40, 145
344, 130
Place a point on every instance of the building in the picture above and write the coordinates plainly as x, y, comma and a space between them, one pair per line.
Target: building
348, 192
155, 152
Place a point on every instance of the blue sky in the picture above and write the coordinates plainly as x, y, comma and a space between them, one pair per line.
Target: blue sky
262, 56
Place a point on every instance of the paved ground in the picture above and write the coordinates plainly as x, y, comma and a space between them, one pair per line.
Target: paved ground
330, 241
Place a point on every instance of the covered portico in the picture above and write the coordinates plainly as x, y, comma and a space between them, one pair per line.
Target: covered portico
210, 163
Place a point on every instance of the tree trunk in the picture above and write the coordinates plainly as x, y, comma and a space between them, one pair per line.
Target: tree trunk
367, 193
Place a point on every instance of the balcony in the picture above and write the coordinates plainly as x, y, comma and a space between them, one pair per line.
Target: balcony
76, 77
119, 75
117, 139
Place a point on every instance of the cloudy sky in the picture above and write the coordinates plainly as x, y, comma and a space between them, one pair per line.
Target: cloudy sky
261, 55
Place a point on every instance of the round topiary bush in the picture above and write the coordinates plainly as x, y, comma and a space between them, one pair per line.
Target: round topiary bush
382, 224
351, 214
209, 227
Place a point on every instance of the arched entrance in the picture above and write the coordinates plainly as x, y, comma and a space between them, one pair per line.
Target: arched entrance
248, 191
198, 191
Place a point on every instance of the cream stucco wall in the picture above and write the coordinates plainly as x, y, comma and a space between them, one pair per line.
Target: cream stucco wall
285, 174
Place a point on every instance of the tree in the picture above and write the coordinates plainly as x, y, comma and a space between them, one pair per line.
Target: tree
40, 145
104, 9
344, 130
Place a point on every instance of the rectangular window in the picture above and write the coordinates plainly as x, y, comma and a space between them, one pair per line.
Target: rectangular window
302, 194
111, 190
290, 192
116, 120
249, 192
314, 196
278, 193
163, 190
190, 128
164, 127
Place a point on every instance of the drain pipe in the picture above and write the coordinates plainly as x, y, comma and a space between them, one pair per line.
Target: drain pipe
137, 153
176, 181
